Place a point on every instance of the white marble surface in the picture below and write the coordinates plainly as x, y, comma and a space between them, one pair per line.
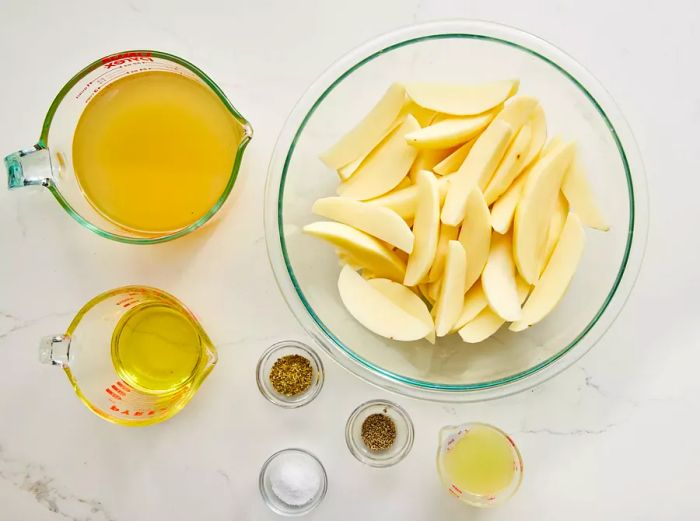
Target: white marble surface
614, 437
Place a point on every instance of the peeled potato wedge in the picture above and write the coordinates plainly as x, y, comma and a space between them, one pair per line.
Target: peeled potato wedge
579, 193
345, 172
447, 234
404, 298
517, 111
556, 225
498, 280
403, 201
368, 132
427, 159
376, 312
424, 116
452, 162
384, 167
376, 221
474, 303
449, 303
475, 236
426, 228
555, 279
538, 123
476, 170
510, 166
503, 209
486, 323
461, 100
534, 211
361, 248
449, 132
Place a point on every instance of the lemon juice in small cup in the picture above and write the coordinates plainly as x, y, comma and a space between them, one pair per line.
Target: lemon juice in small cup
479, 464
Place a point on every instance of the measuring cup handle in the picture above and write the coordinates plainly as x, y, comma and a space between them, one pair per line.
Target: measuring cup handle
55, 350
30, 167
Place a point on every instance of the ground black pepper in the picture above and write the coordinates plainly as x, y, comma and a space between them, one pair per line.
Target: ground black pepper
378, 432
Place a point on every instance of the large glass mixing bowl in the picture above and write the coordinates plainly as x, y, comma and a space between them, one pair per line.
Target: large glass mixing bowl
577, 107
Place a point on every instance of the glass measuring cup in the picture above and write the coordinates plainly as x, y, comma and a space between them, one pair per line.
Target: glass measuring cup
119, 333
49, 163
458, 469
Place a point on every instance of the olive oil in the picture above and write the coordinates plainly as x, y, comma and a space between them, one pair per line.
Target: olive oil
156, 348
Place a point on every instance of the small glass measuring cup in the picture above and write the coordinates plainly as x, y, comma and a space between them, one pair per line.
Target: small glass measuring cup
49, 163
86, 352
448, 438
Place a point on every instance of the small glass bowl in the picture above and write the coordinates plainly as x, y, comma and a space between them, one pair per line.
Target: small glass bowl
277, 351
404, 434
276, 504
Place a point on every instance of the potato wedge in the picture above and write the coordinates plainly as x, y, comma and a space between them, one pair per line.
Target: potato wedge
427, 159
368, 132
426, 228
498, 279
487, 322
474, 303
476, 170
376, 312
404, 298
511, 166
517, 111
449, 132
377, 221
503, 209
384, 167
451, 297
345, 172
534, 211
452, 162
461, 100
579, 193
475, 236
403, 201
447, 234
556, 225
538, 123
557, 275
363, 249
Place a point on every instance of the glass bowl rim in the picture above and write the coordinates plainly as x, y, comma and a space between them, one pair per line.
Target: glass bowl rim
465, 29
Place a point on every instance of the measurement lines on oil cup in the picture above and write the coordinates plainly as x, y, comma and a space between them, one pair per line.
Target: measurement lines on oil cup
289, 374
379, 433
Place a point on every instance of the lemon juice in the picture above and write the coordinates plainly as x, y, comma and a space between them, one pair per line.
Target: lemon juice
154, 151
479, 462
156, 348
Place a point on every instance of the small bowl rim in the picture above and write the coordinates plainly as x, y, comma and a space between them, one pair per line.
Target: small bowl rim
279, 400
627, 272
309, 506
400, 454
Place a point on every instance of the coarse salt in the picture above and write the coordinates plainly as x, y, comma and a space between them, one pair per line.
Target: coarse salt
295, 478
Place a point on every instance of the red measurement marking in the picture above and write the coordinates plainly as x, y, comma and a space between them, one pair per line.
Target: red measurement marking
118, 390
123, 386
126, 57
112, 394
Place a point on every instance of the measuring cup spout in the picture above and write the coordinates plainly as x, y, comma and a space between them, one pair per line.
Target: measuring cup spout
55, 350
29, 167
